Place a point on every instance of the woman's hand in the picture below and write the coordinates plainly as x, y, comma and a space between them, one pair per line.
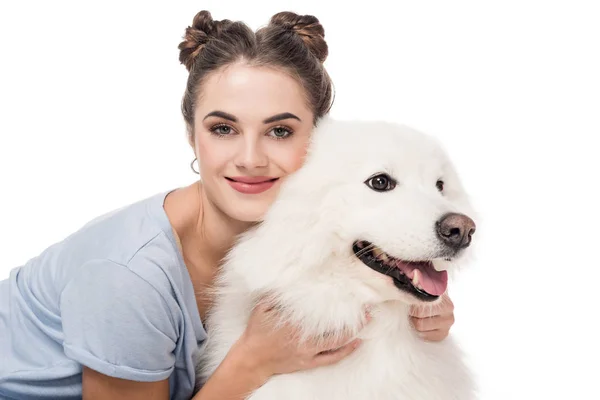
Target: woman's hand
265, 350
433, 323
278, 351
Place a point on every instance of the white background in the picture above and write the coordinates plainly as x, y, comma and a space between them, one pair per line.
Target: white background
90, 121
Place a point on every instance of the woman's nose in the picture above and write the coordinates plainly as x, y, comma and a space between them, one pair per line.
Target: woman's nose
251, 154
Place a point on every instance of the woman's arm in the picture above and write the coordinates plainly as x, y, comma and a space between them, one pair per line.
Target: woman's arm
264, 351
120, 328
234, 379
97, 386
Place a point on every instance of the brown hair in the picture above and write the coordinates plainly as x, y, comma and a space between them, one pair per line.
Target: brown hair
290, 42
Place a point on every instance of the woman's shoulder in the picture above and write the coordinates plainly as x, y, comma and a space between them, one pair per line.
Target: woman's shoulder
120, 297
137, 237
121, 235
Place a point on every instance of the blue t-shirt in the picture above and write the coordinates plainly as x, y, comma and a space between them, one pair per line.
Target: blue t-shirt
115, 296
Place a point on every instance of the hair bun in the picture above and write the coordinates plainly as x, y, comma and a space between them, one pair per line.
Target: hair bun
308, 28
196, 36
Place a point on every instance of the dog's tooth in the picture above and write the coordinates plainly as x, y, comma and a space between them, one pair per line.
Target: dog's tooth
377, 252
415, 279
383, 257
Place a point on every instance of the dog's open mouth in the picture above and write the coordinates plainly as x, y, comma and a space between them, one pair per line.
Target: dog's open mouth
420, 278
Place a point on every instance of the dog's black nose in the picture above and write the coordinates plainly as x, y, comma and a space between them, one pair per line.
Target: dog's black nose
455, 230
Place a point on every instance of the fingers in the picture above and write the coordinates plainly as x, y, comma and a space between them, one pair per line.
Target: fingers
433, 323
445, 307
330, 342
334, 340
333, 356
434, 336
266, 303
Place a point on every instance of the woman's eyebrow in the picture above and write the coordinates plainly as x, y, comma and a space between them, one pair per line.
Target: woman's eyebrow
279, 117
221, 114
274, 118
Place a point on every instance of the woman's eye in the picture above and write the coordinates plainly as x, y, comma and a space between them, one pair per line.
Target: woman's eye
280, 132
222, 130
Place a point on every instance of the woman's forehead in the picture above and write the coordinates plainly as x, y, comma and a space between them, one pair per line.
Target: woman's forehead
260, 91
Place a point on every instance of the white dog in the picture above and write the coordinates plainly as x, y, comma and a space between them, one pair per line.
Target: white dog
376, 217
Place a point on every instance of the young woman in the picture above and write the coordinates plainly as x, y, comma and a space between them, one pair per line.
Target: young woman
115, 310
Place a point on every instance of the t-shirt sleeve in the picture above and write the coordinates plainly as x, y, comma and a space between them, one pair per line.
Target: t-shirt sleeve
117, 323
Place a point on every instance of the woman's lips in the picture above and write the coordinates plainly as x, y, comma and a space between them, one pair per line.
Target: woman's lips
251, 184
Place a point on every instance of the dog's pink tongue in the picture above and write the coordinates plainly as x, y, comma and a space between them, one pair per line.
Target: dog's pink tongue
432, 281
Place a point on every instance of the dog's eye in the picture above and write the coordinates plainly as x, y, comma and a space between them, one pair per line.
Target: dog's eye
381, 183
440, 185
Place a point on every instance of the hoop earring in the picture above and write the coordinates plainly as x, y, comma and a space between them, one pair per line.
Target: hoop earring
192, 166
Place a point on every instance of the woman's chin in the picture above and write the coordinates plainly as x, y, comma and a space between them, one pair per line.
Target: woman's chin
248, 212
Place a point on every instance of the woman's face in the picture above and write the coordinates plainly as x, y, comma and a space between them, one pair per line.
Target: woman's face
252, 128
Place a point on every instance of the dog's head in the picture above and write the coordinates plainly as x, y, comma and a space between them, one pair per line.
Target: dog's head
390, 200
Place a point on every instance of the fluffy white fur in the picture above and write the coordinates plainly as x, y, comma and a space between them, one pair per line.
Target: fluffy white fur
302, 254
